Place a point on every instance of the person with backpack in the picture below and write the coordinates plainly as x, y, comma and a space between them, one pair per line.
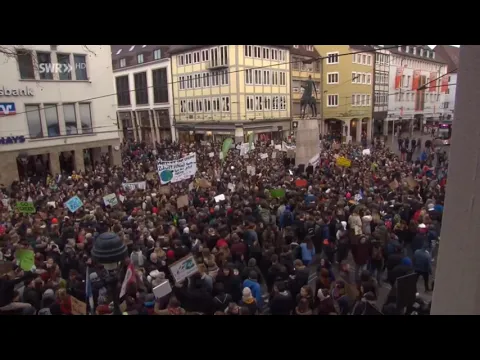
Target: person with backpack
287, 218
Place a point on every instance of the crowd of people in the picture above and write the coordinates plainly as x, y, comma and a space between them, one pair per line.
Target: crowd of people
319, 239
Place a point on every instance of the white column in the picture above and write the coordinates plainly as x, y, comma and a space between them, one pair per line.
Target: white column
369, 131
457, 285
358, 130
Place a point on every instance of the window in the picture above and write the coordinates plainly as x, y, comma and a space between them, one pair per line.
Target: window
359, 59
188, 59
34, 121
364, 59
249, 77
181, 82
274, 102
214, 77
363, 100
86, 118
257, 52
274, 54
283, 102
51, 118
141, 91
180, 60
283, 78
189, 84
183, 106
369, 59
196, 57
332, 100
266, 77
364, 79
216, 104
205, 56
248, 50
223, 55
258, 77
355, 78
281, 55
190, 107
160, 86
369, 78
249, 100
206, 79
140, 59
358, 101
80, 65
123, 90
309, 47
225, 103
157, 54
224, 77
268, 103
123, 62
332, 58
45, 60
266, 53
70, 119
64, 73
199, 105
353, 100
207, 105
332, 78
274, 77
197, 81
258, 103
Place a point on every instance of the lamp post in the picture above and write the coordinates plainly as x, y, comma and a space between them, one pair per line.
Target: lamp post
110, 251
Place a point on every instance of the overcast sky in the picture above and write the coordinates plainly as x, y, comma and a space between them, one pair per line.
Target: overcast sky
432, 46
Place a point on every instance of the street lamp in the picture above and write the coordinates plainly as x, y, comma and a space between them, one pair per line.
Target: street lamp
109, 250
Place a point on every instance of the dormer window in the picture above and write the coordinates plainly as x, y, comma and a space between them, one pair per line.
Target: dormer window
421, 52
433, 55
407, 49
427, 54
414, 51
399, 48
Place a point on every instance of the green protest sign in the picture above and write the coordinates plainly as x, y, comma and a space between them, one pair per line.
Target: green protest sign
25, 207
277, 193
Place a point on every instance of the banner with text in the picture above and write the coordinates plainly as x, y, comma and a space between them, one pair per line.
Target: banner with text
177, 170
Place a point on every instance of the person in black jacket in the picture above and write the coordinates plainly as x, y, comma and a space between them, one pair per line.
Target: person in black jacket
300, 278
281, 301
7, 293
221, 299
195, 298
276, 272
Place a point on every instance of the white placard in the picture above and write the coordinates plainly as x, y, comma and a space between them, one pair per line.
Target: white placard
162, 290
231, 187
110, 199
181, 169
314, 161
264, 156
183, 268
212, 154
122, 198
366, 152
219, 198
142, 185
274, 155
251, 170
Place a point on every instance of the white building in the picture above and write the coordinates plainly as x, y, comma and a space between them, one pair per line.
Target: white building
409, 105
142, 80
451, 55
53, 110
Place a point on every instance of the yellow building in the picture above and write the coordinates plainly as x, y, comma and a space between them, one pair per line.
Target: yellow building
305, 63
347, 90
231, 90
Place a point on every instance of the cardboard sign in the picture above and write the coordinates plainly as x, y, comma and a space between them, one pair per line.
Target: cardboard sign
151, 175
78, 307
183, 268
164, 190
110, 199
264, 156
182, 201
343, 161
25, 207
393, 185
204, 184
412, 184
251, 170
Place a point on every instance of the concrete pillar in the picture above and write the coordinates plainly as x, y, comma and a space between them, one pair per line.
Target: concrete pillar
307, 141
97, 155
385, 127
457, 285
369, 130
138, 127
358, 131
239, 135
133, 117
346, 131
115, 155
79, 161
54, 159
9, 171
152, 127
155, 124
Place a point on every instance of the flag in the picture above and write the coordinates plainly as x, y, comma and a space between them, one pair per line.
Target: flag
250, 141
89, 293
129, 279
227, 143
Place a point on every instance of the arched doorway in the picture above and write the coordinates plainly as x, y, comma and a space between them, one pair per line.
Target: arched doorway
365, 129
354, 124
333, 128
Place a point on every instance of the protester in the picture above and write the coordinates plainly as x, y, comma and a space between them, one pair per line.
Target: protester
266, 246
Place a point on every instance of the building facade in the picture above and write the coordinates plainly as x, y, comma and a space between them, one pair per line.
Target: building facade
347, 84
142, 80
54, 112
381, 88
305, 63
231, 90
451, 55
411, 104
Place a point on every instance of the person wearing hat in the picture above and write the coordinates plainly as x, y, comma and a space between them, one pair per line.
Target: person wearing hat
422, 261
249, 301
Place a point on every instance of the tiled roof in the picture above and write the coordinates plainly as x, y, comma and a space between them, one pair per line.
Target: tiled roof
450, 54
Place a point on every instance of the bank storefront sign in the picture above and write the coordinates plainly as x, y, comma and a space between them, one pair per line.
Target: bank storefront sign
26, 91
7, 109
7, 140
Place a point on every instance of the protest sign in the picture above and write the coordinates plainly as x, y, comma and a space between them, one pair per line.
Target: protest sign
78, 307
74, 203
277, 193
204, 184
177, 170
343, 161
151, 175
251, 170
301, 183
25, 259
212, 154
315, 160
25, 207
264, 156
122, 198
366, 152
162, 290
183, 268
219, 198
164, 190
274, 155
231, 187
141, 185
393, 185
278, 147
110, 199
286, 147
412, 184
182, 201
245, 148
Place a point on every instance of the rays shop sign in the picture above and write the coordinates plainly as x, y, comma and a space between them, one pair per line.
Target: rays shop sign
7, 140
